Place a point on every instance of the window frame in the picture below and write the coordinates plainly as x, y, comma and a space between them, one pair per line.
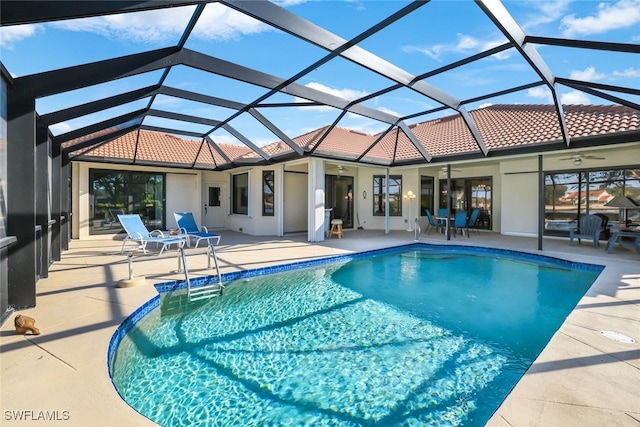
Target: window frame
268, 191
379, 199
240, 195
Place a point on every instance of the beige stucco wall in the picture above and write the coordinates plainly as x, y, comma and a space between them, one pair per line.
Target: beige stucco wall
514, 191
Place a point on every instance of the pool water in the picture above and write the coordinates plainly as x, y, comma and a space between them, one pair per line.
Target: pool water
412, 338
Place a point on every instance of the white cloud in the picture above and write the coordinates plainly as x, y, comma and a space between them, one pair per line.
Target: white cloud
12, 34
288, 3
610, 16
540, 93
432, 52
217, 22
465, 44
147, 26
485, 105
575, 97
588, 74
545, 12
628, 73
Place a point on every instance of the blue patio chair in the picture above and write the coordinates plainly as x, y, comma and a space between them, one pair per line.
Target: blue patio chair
460, 221
137, 232
473, 218
187, 225
432, 222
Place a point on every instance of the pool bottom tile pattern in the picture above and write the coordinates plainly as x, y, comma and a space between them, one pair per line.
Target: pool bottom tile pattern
317, 354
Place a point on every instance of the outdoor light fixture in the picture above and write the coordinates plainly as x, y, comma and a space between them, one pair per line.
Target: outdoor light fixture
409, 197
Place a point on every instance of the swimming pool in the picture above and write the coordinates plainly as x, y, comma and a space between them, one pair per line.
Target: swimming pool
328, 346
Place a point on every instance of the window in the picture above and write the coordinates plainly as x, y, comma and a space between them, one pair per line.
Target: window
567, 195
214, 196
426, 194
395, 195
268, 182
240, 194
114, 192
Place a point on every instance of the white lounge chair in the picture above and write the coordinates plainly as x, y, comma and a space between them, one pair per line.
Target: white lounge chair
137, 232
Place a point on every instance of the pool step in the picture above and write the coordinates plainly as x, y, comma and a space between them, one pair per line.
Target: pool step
203, 292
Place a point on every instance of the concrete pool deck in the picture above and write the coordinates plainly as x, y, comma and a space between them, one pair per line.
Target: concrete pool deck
581, 378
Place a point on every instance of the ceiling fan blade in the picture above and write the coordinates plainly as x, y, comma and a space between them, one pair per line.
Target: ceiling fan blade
594, 157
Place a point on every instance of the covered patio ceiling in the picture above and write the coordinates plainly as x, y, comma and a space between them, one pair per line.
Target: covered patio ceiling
215, 91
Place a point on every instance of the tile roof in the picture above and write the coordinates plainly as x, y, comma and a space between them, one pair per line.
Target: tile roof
500, 126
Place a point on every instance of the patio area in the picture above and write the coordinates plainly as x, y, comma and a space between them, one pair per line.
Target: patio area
581, 378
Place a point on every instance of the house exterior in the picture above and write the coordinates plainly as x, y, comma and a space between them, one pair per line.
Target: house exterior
301, 190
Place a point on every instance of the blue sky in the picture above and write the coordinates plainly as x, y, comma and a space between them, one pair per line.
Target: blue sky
435, 35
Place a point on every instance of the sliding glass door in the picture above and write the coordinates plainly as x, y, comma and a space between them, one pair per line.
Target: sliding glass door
125, 192
468, 194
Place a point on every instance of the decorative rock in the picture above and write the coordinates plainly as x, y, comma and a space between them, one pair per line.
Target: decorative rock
25, 324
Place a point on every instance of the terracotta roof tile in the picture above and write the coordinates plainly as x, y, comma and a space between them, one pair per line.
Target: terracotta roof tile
344, 143
500, 126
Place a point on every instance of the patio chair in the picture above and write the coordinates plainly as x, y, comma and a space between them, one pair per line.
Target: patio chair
606, 233
472, 220
460, 222
187, 225
114, 212
589, 227
432, 222
137, 232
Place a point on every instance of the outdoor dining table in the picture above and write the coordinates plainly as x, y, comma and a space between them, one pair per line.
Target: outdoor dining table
446, 224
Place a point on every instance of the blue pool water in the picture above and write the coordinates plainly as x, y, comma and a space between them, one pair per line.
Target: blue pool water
419, 337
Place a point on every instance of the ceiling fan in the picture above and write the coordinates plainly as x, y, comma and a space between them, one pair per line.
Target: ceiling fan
340, 169
578, 157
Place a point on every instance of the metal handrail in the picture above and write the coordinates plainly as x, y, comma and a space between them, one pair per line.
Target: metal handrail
417, 230
205, 291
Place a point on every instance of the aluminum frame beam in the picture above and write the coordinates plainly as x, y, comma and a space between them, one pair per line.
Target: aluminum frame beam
510, 28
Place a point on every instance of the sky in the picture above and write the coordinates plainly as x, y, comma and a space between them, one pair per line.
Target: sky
436, 34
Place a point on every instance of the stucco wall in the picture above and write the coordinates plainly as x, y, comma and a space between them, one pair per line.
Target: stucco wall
514, 192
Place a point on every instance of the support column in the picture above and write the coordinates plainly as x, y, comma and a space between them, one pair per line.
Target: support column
279, 199
65, 202
386, 201
56, 182
315, 224
42, 201
541, 206
21, 206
